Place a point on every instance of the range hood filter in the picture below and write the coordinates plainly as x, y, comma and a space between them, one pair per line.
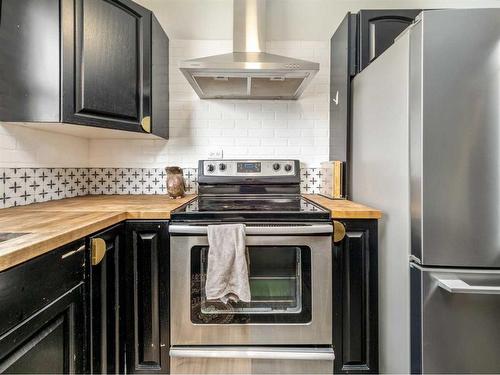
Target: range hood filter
248, 72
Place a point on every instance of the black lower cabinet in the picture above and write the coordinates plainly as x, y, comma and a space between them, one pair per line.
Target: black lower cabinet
147, 280
355, 298
106, 301
42, 310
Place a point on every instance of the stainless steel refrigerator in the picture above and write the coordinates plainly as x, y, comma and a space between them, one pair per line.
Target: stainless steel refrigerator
426, 150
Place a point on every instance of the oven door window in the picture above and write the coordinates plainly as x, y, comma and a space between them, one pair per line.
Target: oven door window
280, 285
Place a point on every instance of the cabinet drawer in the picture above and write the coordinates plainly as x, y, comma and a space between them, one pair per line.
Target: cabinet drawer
30, 286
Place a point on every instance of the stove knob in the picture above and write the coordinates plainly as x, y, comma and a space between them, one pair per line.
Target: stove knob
210, 168
222, 166
288, 167
276, 166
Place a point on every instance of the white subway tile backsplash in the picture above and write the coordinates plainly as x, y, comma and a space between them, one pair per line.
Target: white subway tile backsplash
262, 133
221, 124
287, 115
264, 151
242, 128
235, 115
262, 115
245, 141
221, 141
323, 115
274, 107
274, 141
248, 124
290, 133
235, 132
302, 141
273, 124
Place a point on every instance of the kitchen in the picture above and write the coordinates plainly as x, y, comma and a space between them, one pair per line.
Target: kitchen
130, 161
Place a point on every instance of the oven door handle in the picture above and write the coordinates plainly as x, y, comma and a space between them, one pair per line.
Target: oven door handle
259, 230
316, 354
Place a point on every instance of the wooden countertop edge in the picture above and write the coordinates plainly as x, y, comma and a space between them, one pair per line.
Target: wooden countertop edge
25, 249
53, 240
344, 209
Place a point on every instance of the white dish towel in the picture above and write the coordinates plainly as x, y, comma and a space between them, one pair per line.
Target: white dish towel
227, 271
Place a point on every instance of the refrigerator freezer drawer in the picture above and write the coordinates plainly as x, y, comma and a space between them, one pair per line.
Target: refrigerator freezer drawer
251, 360
455, 320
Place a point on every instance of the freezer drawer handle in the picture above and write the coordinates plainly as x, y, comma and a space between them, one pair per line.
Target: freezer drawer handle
324, 354
460, 286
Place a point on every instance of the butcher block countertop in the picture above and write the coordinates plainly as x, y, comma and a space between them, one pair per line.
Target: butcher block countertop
344, 209
52, 224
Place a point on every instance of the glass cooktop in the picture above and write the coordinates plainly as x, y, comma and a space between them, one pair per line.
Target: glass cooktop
238, 208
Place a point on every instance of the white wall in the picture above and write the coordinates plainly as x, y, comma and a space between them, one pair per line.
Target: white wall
286, 19
263, 129
203, 27
25, 147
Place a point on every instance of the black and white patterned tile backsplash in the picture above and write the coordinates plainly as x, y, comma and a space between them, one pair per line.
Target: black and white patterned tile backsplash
21, 186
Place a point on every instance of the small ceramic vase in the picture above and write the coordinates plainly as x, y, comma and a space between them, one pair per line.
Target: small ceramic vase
176, 188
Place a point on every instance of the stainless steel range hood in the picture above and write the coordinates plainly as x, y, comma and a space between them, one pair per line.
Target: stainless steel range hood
249, 72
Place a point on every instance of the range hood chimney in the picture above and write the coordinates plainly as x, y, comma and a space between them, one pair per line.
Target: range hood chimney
249, 72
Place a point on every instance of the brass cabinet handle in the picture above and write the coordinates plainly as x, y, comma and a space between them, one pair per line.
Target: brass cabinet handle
146, 124
338, 231
70, 253
98, 250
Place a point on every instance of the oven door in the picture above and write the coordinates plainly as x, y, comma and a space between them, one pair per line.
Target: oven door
290, 281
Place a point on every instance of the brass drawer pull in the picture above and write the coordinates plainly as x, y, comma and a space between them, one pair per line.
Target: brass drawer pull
98, 250
338, 231
146, 124
70, 253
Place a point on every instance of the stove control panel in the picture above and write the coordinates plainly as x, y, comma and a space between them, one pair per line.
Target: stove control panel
242, 168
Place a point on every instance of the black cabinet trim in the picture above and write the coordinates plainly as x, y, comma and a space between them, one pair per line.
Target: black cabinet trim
355, 298
22, 292
66, 311
146, 302
105, 305
72, 103
147, 297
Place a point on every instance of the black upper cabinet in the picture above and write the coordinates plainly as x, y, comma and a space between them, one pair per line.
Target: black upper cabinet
160, 80
378, 29
106, 301
29, 77
106, 59
102, 63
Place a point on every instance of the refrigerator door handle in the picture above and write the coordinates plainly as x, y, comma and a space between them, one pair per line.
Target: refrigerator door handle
460, 286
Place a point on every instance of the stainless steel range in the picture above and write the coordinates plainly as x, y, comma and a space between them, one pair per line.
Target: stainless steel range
287, 325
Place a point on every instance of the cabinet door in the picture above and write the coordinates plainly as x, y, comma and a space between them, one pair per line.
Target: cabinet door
51, 341
378, 29
147, 272
342, 68
106, 63
355, 298
29, 75
160, 81
106, 302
